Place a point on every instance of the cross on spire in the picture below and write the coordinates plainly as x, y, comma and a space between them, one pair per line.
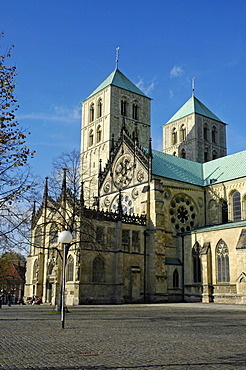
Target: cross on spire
117, 57
193, 86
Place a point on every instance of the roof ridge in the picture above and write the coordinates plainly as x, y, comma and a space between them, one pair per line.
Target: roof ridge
193, 105
118, 79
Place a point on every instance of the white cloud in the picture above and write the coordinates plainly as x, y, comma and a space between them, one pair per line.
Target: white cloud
57, 113
146, 89
171, 94
176, 71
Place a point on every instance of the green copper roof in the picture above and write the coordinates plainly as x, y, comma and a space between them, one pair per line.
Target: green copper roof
193, 105
202, 174
175, 168
224, 169
228, 225
118, 79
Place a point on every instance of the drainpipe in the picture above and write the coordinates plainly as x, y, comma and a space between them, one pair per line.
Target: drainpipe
183, 279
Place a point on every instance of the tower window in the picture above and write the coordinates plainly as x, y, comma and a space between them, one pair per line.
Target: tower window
134, 111
174, 136
91, 137
183, 133
99, 108
205, 132
214, 154
205, 156
92, 111
123, 107
214, 135
99, 134
183, 153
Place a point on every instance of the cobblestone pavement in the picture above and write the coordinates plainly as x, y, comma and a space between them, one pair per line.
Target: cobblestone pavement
171, 336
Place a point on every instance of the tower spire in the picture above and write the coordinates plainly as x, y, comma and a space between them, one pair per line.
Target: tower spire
117, 57
193, 86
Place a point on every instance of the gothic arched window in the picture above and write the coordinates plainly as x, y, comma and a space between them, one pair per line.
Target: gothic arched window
70, 268
35, 270
196, 250
91, 138
98, 273
175, 279
38, 237
134, 111
92, 112
205, 132
236, 202
174, 136
53, 233
214, 156
99, 108
223, 265
214, 134
183, 153
182, 133
224, 209
99, 134
205, 155
123, 107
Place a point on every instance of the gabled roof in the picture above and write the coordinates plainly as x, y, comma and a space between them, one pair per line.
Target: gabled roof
193, 105
225, 169
118, 79
176, 168
219, 170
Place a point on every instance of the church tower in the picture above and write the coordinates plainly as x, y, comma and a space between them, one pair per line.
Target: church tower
195, 133
115, 102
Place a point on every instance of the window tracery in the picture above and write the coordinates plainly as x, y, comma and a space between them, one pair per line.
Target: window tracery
183, 213
182, 133
70, 268
196, 250
236, 203
223, 266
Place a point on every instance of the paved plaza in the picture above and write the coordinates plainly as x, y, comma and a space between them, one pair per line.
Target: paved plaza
167, 336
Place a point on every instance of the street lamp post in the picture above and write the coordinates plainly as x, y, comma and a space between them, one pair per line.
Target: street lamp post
65, 237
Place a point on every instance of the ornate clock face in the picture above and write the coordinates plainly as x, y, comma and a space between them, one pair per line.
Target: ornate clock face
123, 171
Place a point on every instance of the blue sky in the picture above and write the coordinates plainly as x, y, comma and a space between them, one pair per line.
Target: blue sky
65, 48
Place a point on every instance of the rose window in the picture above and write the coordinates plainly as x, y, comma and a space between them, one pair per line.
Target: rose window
183, 213
126, 202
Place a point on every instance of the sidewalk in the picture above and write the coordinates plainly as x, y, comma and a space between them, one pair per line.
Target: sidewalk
171, 336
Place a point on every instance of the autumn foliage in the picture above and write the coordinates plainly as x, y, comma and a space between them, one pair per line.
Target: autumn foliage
14, 154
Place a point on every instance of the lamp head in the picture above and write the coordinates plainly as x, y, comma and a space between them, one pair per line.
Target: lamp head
65, 237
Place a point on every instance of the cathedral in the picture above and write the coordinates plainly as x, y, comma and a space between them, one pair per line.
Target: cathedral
147, 226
